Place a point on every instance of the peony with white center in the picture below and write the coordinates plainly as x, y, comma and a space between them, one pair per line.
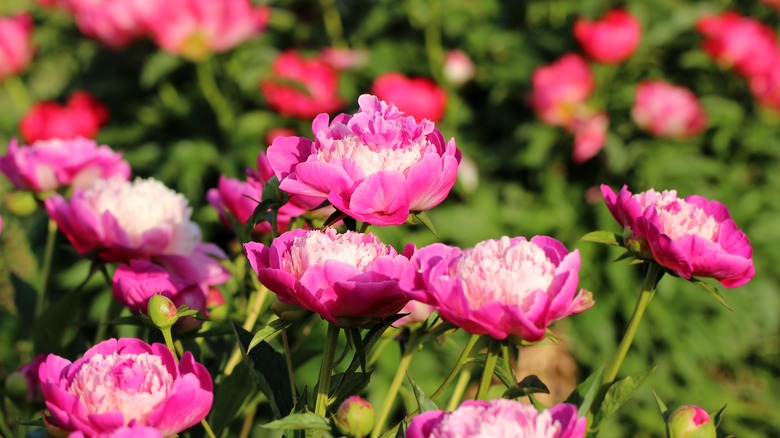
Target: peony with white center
133, 384
146, 204
504, 271
677, 217
352, 151
502, 418
317, 247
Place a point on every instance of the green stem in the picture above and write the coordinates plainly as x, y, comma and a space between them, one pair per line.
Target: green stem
112, 310
288, 359
169, 342
460, 388
326, 369
48, 254
208, 85
395, 386
433, 47
206, 426
333, 25
652, 276
18, 93
458, 365
494, 349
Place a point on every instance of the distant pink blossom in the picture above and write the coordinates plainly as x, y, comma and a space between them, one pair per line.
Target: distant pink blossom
506, 287
314, 88
52, 164
82, 116
742, 43
667, 110
610, 40
16, 46
590, 134
458, 67
561, 89
499, 418
692, 237
345, 59
30, 373
346, 278
376, 166
125, 382
114, 23
195, 29
418, 97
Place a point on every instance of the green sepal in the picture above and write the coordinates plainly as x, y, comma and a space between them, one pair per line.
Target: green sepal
603, 237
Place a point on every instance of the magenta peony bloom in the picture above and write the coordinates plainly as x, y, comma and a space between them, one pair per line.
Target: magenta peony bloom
51, 164
499, 418
502, 288
690, 237
114, 23
16, 48
123, 382
560, 89
125, 220
610, 40
315, 89
138, 280
130, 431
739, 42
195, 29
418, 97
82, 116
376, 166
590, 134
666, 110
345, 278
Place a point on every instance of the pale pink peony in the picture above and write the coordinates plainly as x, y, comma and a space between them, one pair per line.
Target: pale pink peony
499, 418
506, 287
667, 110
195, 29
418, 97
123, 382
114, 23
52, 164
345, 278
301, 87
458, 67
610, 40
742, 43
376, 166
82, 116
560, 89
590, 134
16, 47
690, 237
124, 220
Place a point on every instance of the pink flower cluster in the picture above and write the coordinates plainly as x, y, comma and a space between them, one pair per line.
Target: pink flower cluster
747, 46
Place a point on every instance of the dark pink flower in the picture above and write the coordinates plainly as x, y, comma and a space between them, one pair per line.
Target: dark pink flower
506, 287
125, 382
742, 43
690, 237
667, 110
610, 40
418, 97
82, 116
301, 87
560, 89
16, 47
346, 278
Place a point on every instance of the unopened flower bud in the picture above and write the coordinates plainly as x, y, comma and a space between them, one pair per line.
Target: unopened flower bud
355, 417
690, 421
162, 311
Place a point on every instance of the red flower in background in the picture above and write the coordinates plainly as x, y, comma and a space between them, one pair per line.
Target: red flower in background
302, 87
610, 40
418, 97
82, 116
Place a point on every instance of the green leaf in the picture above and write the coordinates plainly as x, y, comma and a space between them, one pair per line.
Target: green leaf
308, 421
354, 383
437, 331
423, 219
603, 237
423, 401
159, 65
266, 332
586, 391
718, 417
661, 406
360, 353
617, 394
529, 385
230, 395
333, 218
712, 291
499, 371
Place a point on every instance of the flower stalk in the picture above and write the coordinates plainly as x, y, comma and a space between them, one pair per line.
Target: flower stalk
326, 369
494, 349
48, 254
458, 365
395, 386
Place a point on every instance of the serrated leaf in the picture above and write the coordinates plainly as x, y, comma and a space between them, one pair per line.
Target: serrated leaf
529, 385
712, 290
423, 401
586, 391
603, 237
618, 394
308, 421
266, 332
423, 218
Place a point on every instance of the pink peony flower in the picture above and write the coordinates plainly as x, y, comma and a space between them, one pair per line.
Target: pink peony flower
345, 278
131, 431
114, 23
418, 97
458, 67
195, 29
301, 87
417, 313
590, 134
125, 382
690, 237
560, 89
502, 288
82, 116
376, 166
16, 48
666, 110
125, 220
610, 40
497, 418
51, 164
738, 42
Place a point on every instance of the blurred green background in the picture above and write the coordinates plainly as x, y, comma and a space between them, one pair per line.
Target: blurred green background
523, 180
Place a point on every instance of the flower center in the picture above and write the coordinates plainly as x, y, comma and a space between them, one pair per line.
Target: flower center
505, 271
351, 151
677, 217
133, 384
317, 247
